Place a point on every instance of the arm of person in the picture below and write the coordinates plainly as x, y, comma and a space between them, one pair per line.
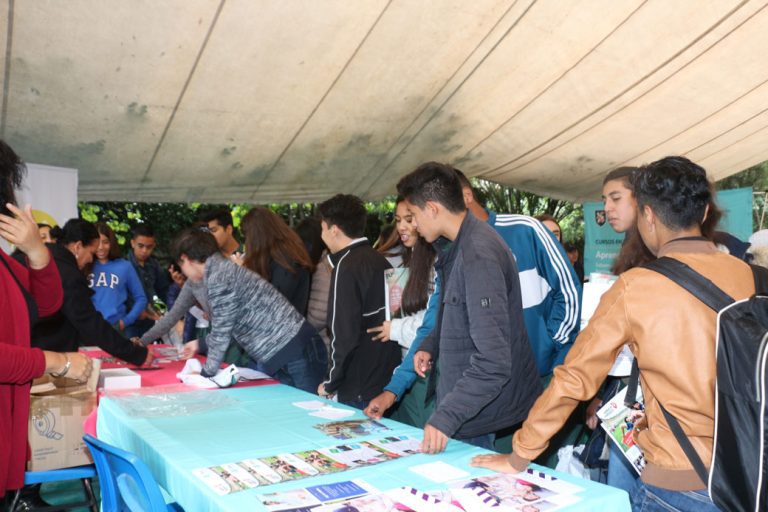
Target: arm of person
490, 325
346, 318
564, 314
183, 303
19, 365
577, 380
91, 326
404, 375
403, 330
45, 287
225, 308
137, 294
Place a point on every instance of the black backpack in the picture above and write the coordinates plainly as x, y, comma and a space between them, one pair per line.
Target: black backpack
738, 477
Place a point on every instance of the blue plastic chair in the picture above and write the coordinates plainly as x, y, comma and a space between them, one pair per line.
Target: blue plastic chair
125, 481
83, 473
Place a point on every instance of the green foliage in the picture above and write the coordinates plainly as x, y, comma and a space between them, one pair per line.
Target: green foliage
505, 199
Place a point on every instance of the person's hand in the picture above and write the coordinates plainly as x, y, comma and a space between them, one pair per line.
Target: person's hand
189, 350
121, 324
150, 357
321, 392
379, 405
497, 462
591, 413
238, 258
136, 341
21, 231
382, 331
434, 441
81, 367
422, 363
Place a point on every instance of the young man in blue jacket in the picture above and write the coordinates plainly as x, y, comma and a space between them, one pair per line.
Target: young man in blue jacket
488, 377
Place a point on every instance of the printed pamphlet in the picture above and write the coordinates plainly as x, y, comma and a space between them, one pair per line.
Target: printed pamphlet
620, 422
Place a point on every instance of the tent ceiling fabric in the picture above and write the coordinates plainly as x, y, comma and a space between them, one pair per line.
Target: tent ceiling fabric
261, 101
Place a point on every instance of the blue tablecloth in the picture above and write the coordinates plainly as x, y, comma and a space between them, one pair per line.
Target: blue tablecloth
259, 422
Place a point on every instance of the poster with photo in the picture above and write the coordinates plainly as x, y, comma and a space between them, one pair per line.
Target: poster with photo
620, 422
356, 454
395, 280
514, 492
400, 445
286, 470
320, 462
301, 500
261, 471
349, 429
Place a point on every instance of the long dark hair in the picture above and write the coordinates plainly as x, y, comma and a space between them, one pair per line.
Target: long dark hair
419, 260
114, 249
267, 238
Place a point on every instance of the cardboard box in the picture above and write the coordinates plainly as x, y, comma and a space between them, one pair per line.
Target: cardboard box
58, 408
119, 378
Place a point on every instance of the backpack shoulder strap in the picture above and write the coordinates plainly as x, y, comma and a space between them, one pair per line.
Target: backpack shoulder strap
707, 292
698, 285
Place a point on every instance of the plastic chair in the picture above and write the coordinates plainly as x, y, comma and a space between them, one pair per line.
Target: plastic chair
125, 481
83, 473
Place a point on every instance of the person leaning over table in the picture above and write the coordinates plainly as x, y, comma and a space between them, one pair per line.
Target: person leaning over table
671, 333
246, 309
25, 293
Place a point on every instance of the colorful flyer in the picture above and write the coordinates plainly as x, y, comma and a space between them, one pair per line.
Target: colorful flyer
395, 280
356, 454
402, 445
261, 471
246, 479
620, 422
514, 492
286, 470
235, 484
350, 429
322, 463
301, 500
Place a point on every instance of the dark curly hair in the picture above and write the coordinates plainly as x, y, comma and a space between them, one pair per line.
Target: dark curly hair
12, 172
676, 188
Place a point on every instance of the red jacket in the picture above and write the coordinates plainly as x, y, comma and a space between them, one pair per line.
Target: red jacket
19, 363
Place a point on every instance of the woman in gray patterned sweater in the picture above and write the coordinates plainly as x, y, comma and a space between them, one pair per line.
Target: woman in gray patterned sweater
249, 310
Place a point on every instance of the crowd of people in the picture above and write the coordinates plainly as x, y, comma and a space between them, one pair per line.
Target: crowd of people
484, 348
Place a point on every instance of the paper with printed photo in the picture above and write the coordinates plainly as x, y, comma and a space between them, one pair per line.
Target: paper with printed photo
355, 454
402, 445
350, 429
320, 462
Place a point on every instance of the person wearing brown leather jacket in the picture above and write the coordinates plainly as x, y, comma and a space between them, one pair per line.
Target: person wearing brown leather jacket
670, 332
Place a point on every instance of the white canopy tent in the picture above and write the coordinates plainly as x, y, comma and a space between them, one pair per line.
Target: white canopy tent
265, 100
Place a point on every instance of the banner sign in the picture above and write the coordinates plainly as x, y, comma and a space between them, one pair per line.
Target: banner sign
602, 243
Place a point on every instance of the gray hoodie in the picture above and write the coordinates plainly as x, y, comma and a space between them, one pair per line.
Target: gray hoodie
248, 309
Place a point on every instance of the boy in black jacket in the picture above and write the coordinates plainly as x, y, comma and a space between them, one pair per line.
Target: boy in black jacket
360, 366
